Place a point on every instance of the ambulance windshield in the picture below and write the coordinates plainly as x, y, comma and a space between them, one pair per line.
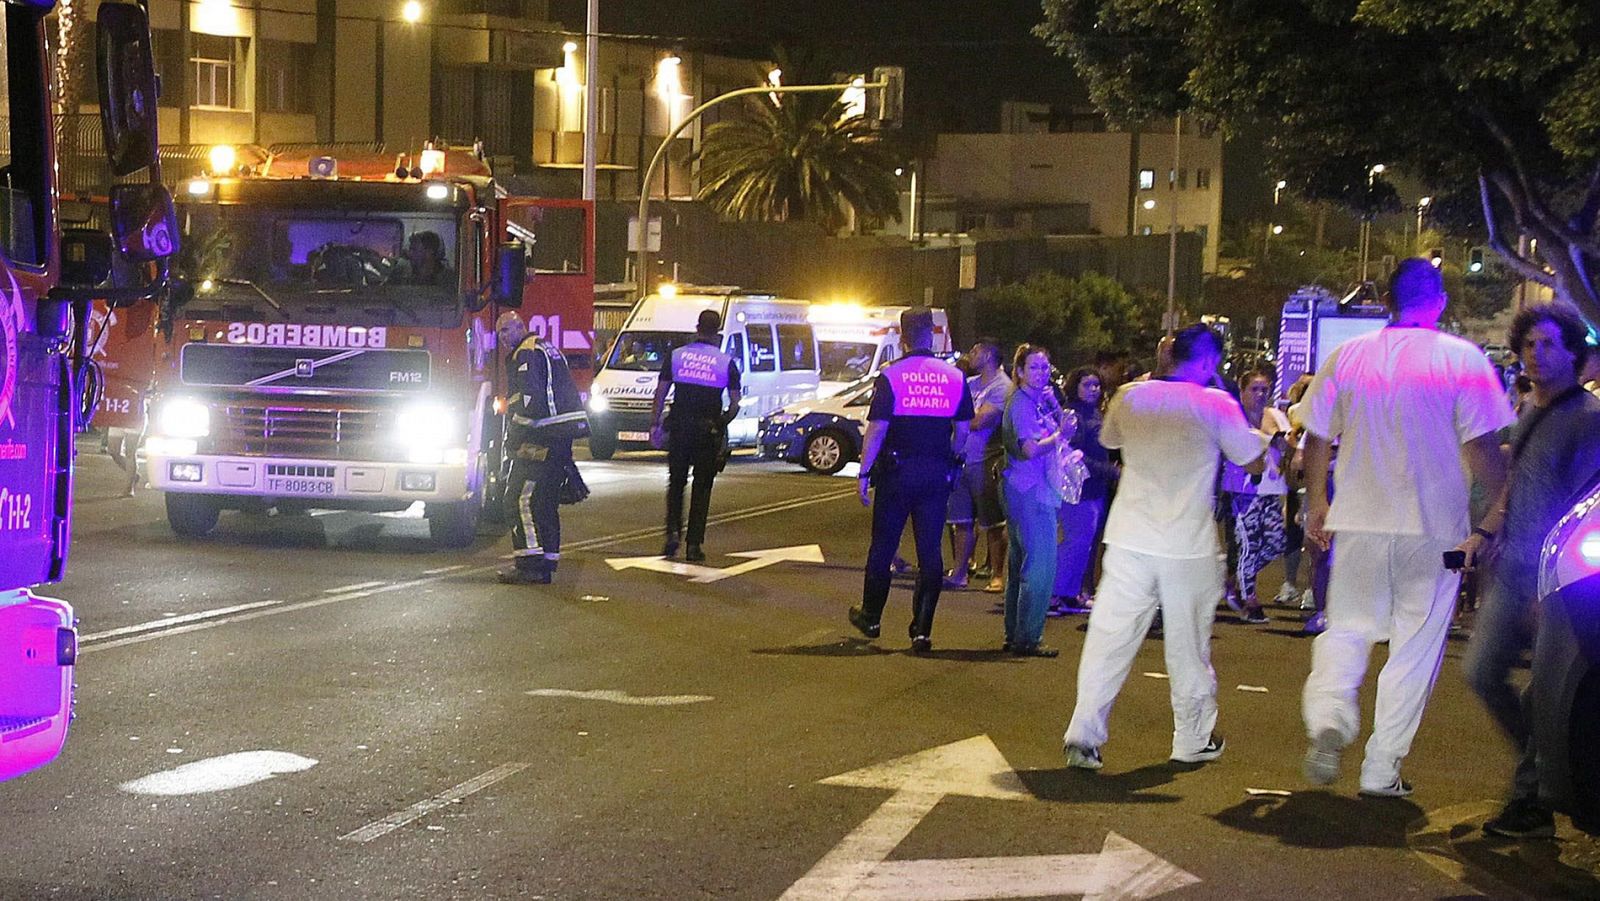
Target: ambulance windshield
845, 361
234, 254
644, 351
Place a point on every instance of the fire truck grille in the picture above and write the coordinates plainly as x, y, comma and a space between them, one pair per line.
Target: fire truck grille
302, 432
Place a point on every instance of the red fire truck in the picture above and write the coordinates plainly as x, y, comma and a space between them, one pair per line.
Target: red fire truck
46, 281
338, 348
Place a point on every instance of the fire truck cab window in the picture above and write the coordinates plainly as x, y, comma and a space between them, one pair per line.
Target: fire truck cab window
22, 162
555, 237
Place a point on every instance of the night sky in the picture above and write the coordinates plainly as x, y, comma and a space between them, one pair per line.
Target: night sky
962, 58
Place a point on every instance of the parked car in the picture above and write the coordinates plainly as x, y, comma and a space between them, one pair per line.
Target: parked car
821, 435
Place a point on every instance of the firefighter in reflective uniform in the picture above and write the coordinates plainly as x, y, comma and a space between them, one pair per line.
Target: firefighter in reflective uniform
546, 414
915, 426
696, 428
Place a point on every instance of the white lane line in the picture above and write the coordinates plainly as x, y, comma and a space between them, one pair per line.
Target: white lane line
620, 697
443, 569
212, 618
175, 621
353, 587
422, 808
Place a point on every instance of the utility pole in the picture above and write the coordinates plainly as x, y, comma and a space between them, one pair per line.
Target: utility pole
641, 265
1172, 227
591, 99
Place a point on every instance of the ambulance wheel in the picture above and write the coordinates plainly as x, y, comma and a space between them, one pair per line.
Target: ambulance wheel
826, 452
602, 445
192, 515
453, 525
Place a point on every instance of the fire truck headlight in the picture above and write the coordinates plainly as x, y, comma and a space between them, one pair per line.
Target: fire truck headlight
425, 426
183, 417
598, 404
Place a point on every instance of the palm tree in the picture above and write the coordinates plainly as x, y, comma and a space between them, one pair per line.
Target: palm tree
798, 157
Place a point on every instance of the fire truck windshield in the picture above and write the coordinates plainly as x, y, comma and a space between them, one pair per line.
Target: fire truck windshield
320, 261
22, 160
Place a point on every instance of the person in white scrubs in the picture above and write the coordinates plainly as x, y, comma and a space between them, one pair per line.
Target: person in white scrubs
1162, 550
1408, 406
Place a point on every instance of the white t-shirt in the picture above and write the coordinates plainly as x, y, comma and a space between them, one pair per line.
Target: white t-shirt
1170, 434
1401, 402
1272, 480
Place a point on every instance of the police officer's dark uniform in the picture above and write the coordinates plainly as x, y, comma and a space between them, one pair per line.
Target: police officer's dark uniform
546, 414
696, 427
922, 399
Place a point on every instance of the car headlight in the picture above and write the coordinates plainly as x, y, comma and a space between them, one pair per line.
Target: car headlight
427, 425
598, 403
184, 417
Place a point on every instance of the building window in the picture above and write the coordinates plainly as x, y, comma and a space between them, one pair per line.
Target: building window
1202, 179
1183, 179
285, 76
215, 61
1204, 231
1147, 179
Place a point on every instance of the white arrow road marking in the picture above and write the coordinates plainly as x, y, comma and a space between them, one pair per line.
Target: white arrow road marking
801, 553
620, 697
219, 773
1121, 870
856, 867
422, 808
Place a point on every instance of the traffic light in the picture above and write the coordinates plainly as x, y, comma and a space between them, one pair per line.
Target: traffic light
1436, 257
886, 107
1475, 261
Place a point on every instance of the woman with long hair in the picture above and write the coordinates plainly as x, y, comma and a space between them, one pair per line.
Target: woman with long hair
1256, 502
1080, 522
1033, 430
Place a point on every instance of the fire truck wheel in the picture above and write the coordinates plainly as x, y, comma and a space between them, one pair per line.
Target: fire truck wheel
192, 515
602, 446
453, 525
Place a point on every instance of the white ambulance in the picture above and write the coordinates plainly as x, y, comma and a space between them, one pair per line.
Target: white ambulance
771, 340
855, 341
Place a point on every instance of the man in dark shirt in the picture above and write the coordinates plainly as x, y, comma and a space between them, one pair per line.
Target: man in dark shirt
916, 425
1555, 451
696, 428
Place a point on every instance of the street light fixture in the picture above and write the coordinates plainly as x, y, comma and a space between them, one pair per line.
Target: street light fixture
411, 12
1277, 229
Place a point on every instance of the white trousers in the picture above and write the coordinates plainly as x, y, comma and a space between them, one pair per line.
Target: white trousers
1132, 586
1391, 587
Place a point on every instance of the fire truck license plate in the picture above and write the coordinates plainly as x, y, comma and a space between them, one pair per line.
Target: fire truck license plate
311, 486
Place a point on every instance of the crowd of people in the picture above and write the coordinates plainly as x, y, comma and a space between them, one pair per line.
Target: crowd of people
1149, 504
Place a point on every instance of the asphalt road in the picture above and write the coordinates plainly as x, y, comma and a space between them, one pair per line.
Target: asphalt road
325, 706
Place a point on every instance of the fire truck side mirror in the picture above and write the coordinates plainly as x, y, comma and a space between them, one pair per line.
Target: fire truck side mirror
126, 74
144, 222
510, 275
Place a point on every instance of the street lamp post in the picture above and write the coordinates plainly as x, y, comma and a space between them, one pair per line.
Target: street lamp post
591, 97
1422, 207
641, 259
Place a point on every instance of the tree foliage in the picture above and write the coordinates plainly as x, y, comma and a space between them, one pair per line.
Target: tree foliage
798, 157
1076, 318
1495, 104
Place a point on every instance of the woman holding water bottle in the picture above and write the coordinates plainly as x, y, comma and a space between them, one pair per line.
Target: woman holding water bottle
1034, 431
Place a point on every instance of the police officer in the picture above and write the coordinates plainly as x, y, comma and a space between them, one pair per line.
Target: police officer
546, 414
917, 421
696, 429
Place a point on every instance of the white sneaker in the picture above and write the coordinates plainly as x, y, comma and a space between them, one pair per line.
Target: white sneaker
1211, 751
1287, 595
1082, 757
1322, 758
1307, 600
1399, 788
